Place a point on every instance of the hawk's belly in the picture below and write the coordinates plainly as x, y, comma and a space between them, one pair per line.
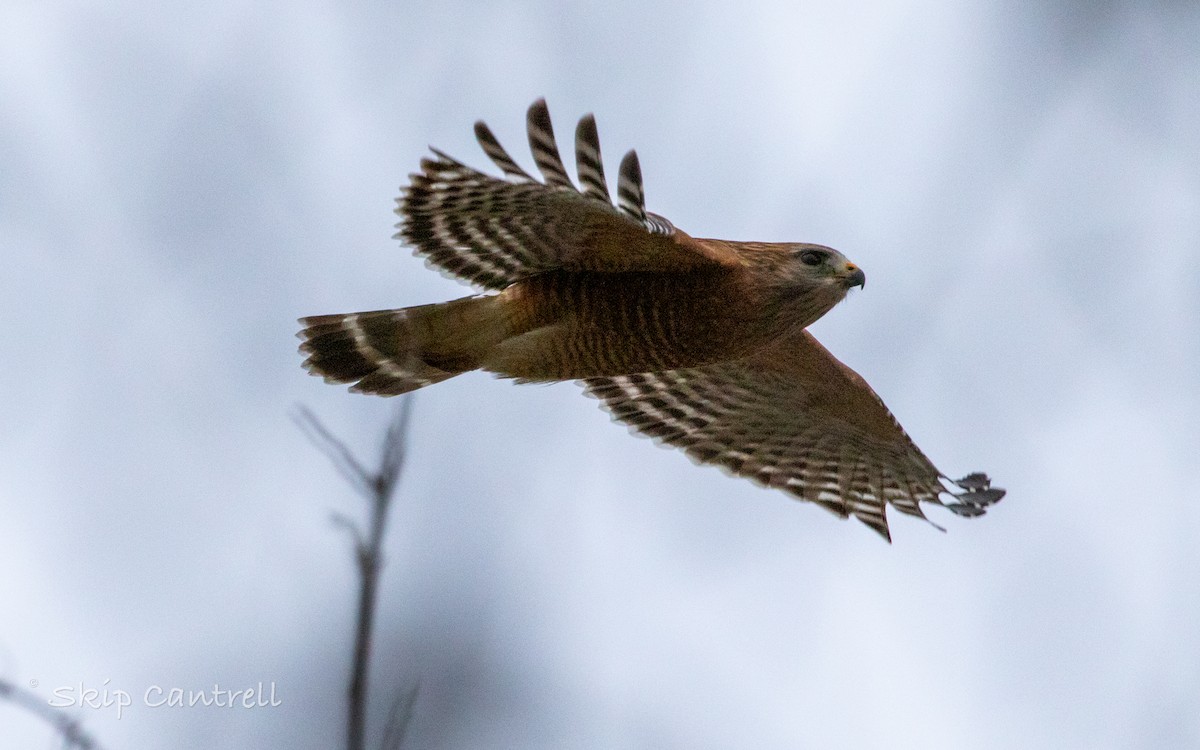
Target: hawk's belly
577, 325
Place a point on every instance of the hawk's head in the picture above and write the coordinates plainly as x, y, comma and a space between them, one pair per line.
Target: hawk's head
811, 279
817, 265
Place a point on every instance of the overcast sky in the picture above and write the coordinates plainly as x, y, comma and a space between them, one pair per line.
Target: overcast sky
180, 182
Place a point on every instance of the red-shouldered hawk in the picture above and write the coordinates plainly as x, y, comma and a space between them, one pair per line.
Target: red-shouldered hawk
698, 343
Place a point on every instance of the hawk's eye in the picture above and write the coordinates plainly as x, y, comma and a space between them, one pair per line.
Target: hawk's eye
812, 257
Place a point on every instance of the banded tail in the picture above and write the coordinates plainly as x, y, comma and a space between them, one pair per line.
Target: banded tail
389, 352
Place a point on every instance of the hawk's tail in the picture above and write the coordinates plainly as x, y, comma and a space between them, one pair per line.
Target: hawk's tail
389, 352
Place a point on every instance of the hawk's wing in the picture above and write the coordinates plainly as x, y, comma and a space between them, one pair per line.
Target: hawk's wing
491, 231
795, 418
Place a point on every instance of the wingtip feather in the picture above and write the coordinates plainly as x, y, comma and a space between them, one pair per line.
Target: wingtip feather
976, 496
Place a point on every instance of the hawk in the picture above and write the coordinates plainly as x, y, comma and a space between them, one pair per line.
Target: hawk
700, 344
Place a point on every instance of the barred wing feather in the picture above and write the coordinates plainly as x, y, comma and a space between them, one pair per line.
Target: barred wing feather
492, 231
793, 417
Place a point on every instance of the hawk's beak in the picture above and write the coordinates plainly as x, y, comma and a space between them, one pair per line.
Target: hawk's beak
855, 276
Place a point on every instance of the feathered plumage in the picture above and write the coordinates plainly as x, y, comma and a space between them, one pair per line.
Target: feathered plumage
697, 343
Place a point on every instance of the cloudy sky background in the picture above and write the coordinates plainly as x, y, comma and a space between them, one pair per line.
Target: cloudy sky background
179, 182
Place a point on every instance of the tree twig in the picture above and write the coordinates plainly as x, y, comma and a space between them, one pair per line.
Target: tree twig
337, 452
70, 729
399, 717
378, 488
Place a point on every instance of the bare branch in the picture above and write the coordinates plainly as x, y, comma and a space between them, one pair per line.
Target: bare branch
70, 729
343, 521
337, 452
378, 487
399, 718
391, 459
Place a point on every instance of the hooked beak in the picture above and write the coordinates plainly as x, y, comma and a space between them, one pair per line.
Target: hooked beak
854, 277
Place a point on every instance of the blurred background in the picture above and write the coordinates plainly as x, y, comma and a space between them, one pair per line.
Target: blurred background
1021, 183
